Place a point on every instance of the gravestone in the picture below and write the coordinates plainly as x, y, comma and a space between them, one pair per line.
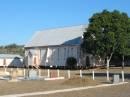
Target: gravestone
33, 74
53, 74
116, 78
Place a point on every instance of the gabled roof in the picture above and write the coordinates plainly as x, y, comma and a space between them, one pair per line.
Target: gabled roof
10, 56
59, 36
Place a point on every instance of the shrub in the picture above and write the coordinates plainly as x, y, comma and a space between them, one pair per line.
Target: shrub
71, 62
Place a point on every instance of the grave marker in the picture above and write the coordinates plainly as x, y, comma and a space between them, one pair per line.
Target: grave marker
33, 74
116, 78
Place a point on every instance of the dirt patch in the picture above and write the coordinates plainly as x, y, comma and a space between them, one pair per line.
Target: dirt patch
77, 81
30, 86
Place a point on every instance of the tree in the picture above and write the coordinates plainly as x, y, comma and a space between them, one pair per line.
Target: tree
106, 33
124, 38
125, 49
12, 49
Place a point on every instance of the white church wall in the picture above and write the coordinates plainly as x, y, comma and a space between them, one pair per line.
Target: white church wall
1, 62
57, 55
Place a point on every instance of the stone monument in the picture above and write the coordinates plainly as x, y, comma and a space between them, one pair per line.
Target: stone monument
116, 78
33, 74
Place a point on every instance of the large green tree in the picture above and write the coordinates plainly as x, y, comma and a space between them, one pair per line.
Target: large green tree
106, 34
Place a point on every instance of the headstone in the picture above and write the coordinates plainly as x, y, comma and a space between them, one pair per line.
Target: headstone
33, 74
53, 74
116, 79
14, 76
39, 72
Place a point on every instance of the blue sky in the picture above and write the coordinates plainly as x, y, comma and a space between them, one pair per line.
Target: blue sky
20, 19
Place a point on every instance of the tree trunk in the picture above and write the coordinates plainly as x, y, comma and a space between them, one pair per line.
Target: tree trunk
94, 63
108, 62
123, 62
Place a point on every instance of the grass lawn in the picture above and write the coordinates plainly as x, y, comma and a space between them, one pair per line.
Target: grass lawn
41, 85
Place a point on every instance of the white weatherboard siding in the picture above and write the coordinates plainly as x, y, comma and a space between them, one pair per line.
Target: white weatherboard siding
8, 61
55, 56
43, 56
1, 62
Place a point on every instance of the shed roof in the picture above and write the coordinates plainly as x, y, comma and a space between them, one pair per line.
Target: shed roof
59, 36
10, 56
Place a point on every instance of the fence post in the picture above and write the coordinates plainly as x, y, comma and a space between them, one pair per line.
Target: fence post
107, 75
81, 74
48, 73
24, 73
58, 73
93, 74
11, 69
69, 74
122, 76
5, 69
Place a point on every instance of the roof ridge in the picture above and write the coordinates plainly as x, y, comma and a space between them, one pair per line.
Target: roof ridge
62, 27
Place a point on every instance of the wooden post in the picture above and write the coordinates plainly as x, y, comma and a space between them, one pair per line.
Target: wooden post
122, 76
93, 74
4, 62
58, 73
5, 69
81, 74
11, 71
48, 73
107, 75
24, 74
17, 68
69, 74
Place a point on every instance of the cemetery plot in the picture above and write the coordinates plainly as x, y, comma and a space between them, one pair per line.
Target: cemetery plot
77, 78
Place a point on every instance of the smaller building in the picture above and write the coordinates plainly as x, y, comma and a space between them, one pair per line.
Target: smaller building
11, 60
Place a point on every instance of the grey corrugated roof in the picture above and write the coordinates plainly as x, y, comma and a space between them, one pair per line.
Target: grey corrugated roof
3, 56
59, 36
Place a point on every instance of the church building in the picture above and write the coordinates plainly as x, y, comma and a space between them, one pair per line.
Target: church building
52, 47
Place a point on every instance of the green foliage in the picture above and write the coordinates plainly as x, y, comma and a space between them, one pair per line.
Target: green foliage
106, 34
12, 49
71, 62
